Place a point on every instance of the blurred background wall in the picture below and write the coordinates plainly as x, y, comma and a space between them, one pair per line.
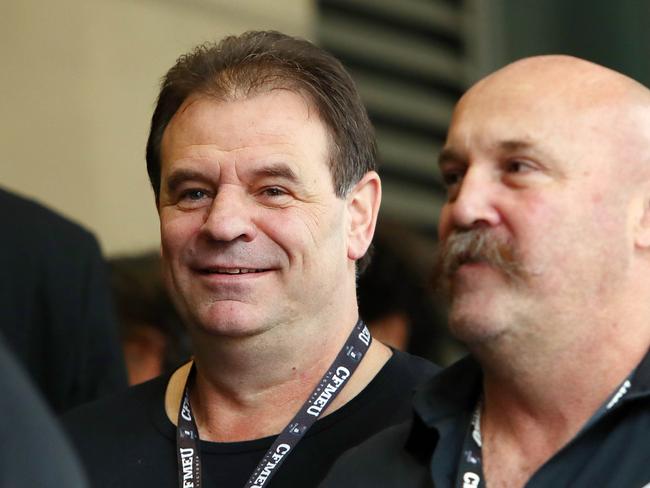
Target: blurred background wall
77, 86
79, 80
412, 60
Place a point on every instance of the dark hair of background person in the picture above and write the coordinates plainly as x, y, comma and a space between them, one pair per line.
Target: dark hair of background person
153, 337
397, 301
243, 66
389, 293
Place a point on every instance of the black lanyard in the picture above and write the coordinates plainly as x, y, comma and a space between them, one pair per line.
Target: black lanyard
470, 468
340, 371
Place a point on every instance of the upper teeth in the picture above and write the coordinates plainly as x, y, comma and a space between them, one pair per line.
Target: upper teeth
235, 270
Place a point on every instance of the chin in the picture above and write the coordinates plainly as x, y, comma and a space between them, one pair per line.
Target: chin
228, 321
475, 327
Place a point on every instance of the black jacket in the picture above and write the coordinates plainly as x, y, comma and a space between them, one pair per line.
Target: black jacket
55, 305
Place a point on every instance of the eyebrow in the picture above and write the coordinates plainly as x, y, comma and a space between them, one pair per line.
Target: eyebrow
180, 176
273, 170
514, 145
449, 155
276, 170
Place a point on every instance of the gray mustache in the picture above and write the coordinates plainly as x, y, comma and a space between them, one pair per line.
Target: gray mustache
474, 246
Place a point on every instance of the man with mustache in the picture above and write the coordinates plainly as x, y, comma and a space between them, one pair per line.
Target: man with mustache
545, 259
262, 161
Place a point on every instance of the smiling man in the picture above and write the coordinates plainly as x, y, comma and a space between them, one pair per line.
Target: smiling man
262, 161
545, 259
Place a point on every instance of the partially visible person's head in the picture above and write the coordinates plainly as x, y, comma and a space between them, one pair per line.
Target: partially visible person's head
242, 66
261, 156
397, 302
153, 337
547, 166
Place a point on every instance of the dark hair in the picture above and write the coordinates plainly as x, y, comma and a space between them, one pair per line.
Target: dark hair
141, 300
241, 66
390, 286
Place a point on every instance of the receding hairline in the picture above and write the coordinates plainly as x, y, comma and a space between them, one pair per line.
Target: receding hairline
581, 81
578, 85
225, 97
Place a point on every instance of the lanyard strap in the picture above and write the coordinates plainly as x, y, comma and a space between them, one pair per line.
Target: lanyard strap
336, 377
470, 469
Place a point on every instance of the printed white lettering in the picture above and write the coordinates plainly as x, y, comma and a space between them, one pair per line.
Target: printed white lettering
283, 449
364, 336
342, 372
185, 410
187, 459
317, 406
619, 394
279, 453
471, 480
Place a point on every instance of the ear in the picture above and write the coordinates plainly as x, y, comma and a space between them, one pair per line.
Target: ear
363, 207
642, 234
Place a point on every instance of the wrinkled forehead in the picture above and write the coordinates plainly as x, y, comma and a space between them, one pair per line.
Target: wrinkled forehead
533, 110
558, 91
484, 117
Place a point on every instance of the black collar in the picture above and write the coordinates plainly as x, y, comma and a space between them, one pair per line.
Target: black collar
444, 404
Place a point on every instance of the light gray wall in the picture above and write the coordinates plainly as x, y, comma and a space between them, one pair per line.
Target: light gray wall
77, 87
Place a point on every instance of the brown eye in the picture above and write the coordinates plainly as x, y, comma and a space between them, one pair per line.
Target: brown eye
451, 178
273, 192
517, 166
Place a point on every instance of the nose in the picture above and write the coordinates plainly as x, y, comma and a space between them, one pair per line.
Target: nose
230, 217
474, 202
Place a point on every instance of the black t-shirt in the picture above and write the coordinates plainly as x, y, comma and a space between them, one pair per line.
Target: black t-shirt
129, 441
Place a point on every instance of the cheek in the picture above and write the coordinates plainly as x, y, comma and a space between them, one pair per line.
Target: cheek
444, 223
305, 235
176, 231
279, 230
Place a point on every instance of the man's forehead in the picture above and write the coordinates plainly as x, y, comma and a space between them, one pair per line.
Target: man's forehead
548, 95
558, 80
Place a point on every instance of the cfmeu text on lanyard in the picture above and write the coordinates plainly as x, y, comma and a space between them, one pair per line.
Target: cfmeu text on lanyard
336, 377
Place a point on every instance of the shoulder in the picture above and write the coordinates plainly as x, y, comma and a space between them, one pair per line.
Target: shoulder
392, 388
414, 366
404, 371
49, 240
117, 417
16, 210
26, 422
382, 461
123, 440
384, 402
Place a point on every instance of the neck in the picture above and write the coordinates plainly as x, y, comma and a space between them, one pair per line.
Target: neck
259, 382
538, 394
546, 378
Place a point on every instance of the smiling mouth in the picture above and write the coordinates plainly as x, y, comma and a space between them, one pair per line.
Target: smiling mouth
230, 271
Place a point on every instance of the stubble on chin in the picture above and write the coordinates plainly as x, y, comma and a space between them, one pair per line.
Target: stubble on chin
467, 320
